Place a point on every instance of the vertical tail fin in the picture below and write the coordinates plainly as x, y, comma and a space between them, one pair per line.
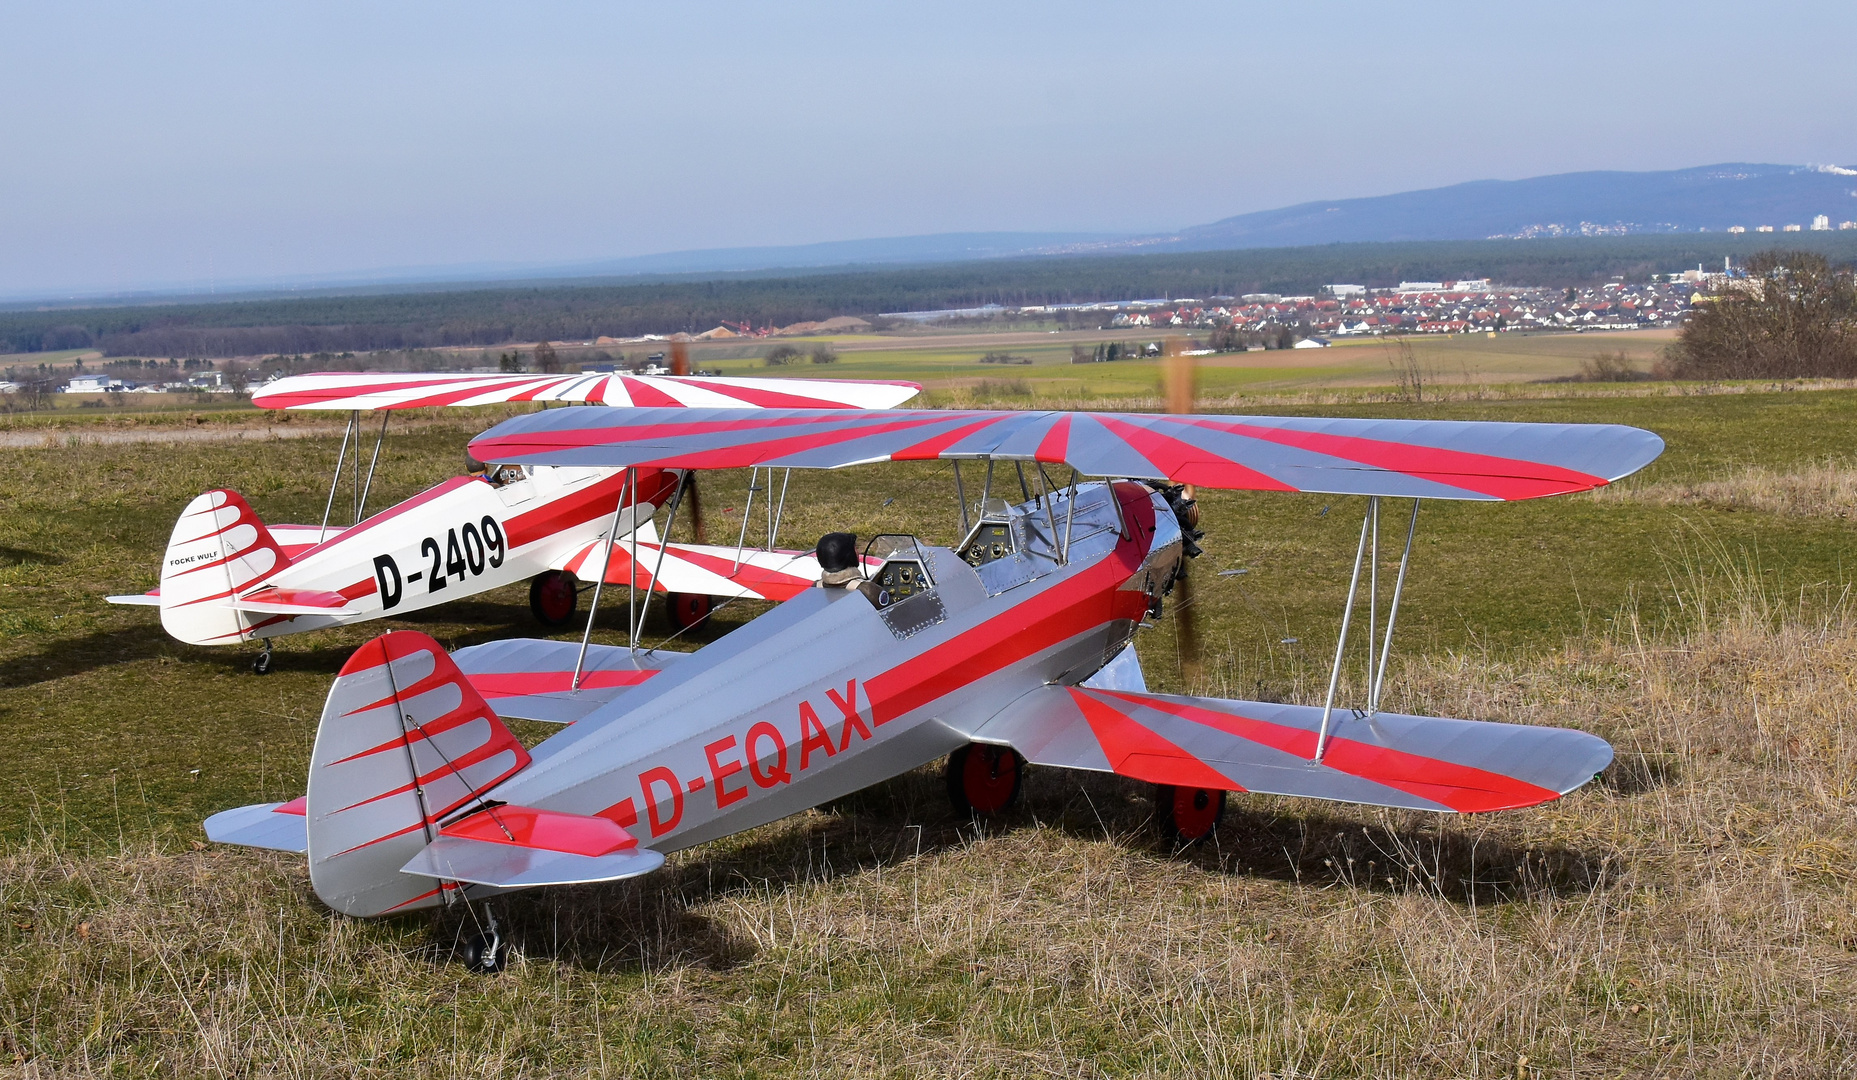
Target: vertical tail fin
218, 549
404, 741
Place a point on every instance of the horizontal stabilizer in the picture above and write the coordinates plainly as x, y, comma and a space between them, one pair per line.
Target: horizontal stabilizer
1389, 759
296, 602
151, 598
530, 678
515, 847
279, 826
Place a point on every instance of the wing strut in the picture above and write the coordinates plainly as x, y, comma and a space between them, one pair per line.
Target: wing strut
335, 480
1368, 549
599, 583
361, 503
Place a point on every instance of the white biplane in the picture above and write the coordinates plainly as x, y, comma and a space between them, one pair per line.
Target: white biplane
228, 577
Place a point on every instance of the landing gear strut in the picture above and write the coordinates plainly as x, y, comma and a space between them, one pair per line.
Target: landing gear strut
262, 665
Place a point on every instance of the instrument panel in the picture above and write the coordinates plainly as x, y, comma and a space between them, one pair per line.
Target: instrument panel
992, 540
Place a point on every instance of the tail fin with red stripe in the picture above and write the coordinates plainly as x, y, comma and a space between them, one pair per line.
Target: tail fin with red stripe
405, 742
218, 549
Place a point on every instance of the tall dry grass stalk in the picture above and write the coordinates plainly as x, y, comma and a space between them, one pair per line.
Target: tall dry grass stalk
1823, 489
1689, 914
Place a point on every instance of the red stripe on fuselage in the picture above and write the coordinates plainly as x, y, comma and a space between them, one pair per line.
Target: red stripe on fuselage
595, 500
1092, 597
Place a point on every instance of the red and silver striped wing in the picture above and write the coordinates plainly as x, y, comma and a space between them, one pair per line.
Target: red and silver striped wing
349, 390
1439, 459
1390, 759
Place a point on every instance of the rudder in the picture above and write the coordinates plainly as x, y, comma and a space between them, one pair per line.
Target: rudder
404, 741
218, 548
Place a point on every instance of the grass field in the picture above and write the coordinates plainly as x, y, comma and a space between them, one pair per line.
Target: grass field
1689, 914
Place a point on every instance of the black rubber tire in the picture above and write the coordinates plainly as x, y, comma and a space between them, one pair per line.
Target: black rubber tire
984, 780
482, 954
1187, 815
262, 665
554, 596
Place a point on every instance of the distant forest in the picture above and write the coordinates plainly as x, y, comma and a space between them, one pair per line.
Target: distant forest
570, 311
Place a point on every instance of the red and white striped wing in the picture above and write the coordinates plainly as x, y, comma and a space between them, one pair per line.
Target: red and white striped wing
349, 390
1390, 759
709, 569
1439, 459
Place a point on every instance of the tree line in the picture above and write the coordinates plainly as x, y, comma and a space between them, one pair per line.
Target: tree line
489, 316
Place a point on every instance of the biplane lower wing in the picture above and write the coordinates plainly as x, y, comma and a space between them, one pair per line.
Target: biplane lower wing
151, 598
710, 569
1389, 759
533, 678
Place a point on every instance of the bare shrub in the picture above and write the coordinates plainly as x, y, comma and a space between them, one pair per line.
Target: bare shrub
1610, 367
781, 355
1793, 316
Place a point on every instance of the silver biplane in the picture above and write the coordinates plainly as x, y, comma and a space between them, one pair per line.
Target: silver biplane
1010, 649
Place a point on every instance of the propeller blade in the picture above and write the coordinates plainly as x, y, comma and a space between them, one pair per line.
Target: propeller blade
680, 357
1180, 371
696, 507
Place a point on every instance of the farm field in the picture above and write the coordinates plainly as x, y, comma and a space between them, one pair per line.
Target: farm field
1687, 914
947, 363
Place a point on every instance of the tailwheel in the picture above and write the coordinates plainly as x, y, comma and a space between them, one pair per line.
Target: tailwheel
553, 596
984, 779
1187, 815
688, 609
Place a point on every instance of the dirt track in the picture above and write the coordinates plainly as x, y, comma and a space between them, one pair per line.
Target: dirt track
56, 437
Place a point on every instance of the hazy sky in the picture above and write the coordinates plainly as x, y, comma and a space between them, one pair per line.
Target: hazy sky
180, 143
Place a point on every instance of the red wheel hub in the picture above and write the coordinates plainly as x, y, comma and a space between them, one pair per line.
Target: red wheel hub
688, 609
1196, 811
557, 597
989, 776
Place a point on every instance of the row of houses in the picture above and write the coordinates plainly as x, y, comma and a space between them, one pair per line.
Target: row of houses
1450, 307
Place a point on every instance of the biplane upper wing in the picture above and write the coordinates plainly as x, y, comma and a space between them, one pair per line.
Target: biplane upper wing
1388, 759
350, 390
1438, 459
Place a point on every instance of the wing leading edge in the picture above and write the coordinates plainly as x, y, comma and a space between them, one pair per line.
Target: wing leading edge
1438, 459
1391, 759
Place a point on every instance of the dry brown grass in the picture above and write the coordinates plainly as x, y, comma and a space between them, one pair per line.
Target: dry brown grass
1690, 914
1825, 488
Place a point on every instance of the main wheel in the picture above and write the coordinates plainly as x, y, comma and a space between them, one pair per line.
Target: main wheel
984, 779
1188, 815
687, 609
553, 596
262, 665
483, 954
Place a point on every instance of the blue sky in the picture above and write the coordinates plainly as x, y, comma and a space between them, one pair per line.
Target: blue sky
176, 144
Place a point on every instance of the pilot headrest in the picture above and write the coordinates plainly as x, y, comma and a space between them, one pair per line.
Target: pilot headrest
838, 551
